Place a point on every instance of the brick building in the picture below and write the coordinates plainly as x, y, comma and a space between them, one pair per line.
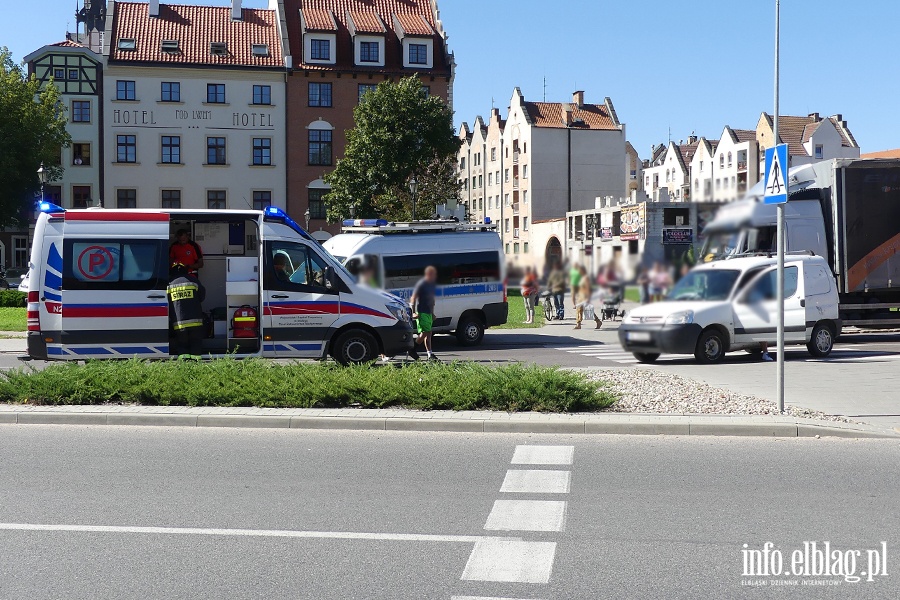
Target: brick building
340, 49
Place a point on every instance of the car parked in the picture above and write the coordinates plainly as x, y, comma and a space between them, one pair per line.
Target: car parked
731, 305
11, 279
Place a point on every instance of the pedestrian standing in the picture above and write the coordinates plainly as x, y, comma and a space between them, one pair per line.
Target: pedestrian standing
186, 295
575, 275
186, 251
643, 282
422, 304
557, 284
583, 303
529, 293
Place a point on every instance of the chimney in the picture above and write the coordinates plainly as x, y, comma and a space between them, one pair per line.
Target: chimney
814, 117
839, 118
236, 12
567, 114
692, 139
154, 8
578, 98
495, 114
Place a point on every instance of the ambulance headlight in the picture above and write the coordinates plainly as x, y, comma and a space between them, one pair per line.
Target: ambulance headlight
400, 312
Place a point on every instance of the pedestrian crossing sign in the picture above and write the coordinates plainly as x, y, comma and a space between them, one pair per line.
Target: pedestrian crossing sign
776, 190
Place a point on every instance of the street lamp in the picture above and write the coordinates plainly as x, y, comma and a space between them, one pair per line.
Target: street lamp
307, 215
44, 177
589, 236
353, 211
413, 190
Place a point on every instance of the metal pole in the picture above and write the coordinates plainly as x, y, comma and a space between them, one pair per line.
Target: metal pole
779, 370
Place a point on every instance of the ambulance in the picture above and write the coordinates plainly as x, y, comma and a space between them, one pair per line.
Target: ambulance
98, 277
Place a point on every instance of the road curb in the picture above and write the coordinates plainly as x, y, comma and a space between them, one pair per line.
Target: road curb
680, 425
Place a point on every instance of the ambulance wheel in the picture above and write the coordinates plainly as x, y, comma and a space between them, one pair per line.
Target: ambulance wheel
469, 330
355, 347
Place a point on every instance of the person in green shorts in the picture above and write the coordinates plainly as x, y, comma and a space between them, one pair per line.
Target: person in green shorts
575, 275
422, 304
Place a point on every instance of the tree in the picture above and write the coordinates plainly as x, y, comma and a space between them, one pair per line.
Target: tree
400, 132
32, 131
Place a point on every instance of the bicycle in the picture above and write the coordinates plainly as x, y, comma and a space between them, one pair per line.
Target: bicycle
549, 310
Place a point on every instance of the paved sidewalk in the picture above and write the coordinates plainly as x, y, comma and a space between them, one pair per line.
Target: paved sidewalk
411, 420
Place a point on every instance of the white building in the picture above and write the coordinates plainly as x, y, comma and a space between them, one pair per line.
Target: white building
194, 107
667, 178
735, 169
545, 159
701, 170
810, 139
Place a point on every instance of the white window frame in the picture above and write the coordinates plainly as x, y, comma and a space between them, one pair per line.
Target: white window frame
357, 50
307, 48
429, 52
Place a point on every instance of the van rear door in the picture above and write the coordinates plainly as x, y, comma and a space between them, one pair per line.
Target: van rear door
115, 272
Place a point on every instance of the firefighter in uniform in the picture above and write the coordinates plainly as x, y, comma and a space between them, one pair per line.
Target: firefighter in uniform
186, 295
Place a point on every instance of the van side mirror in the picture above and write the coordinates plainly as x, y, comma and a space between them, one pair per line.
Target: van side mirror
330, 278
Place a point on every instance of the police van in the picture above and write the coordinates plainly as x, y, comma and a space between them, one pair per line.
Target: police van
471, 290
97, 288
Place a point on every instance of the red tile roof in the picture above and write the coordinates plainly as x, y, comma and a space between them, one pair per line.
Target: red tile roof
744, 135
882, 154
586, 116
413, 24
68, 44
385, 11
318, 19
195, 28
365, 21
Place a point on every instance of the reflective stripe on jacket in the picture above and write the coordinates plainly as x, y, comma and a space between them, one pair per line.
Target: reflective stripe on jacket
186, 296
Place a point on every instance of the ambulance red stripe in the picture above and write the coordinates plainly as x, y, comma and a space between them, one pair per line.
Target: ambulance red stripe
112, 215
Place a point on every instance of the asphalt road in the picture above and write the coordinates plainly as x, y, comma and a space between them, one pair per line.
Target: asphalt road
358, 515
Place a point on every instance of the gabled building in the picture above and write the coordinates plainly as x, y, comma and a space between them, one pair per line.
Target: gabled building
701, 169
194, 105
667, 178
735, 169
810, 139
341, 49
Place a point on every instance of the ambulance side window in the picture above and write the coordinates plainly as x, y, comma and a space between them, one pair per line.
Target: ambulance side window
114, 265
294, 267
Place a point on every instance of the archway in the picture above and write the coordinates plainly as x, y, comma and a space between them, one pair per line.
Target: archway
554, 253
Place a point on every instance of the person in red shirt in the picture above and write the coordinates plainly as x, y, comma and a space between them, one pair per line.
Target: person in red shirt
186, 251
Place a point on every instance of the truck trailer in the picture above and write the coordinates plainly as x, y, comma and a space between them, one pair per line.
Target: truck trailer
845, 210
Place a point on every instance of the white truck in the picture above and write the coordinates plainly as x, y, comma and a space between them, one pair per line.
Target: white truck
844, 210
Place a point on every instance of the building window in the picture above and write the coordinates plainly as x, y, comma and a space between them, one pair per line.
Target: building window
215, 93
506, 225
363, 88
368, 52
126, 198
462, 163
215, 151
320, 94
481, 181
81, 196
20, 251
524, 223
525, 247
262, 94
426, 90
507, 247
320, 49
126, 148
171, 149
418, 54
721, 161
524, 171
506, 199
170, 199
81, 154
262, 151
215, 200
490, 179
493, 154
125, 90
319, 147
81, 111
516, 248
317, 208
262, 200
525, 197
170, 91
820, 151
59, 74
506, 175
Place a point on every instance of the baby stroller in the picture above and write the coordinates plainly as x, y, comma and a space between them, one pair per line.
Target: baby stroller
612, 302
547, 302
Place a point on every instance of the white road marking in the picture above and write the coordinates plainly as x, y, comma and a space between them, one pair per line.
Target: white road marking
610, 352
543, 455
536, 482
479, 598
276, 533
527, 515
510, 561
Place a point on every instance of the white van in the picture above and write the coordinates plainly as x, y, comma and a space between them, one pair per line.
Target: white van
97, 288
731, 305
471, 290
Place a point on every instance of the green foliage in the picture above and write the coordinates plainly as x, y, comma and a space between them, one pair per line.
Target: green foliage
516, 318
228, 382
13, 299
399, 133
32, 130
12, 319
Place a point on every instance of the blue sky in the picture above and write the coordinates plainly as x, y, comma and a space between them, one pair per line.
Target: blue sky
689, 65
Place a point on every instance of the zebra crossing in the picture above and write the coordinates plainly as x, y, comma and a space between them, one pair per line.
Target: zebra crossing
611, 352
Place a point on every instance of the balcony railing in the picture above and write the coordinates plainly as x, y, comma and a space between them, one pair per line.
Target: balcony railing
515, 207
742, 165
515, 157
515, 183
516, 233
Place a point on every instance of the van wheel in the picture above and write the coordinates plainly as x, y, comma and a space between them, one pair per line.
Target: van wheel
355, 347
646, 357
710, 347
470, 331
822, 340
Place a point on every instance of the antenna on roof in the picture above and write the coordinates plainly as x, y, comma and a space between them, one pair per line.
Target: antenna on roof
545, 88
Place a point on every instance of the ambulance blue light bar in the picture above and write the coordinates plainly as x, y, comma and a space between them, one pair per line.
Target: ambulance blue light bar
365, 223
50, 208
273, 213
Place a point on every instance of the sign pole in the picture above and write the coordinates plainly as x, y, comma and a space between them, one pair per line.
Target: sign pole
779, 370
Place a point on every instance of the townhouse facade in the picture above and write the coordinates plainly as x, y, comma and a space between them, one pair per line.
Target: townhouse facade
810, 139
667, 176
544, 159
342, 49
194, 104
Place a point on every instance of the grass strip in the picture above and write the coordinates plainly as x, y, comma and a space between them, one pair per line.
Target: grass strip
12, 319
259, 382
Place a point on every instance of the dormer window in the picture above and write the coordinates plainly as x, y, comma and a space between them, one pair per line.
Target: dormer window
260, 49
218, 48
418, 54
320, 49
170, 46
369, 52
127, 44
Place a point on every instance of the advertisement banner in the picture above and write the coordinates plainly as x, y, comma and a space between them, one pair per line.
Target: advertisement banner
678, 236
606, 233
632, 222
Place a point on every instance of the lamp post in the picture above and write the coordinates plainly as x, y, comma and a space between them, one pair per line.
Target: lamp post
307, 215
353, 211
589, 236
43, 176
413, 190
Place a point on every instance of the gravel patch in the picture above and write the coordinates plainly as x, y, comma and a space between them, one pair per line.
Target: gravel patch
649, 391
